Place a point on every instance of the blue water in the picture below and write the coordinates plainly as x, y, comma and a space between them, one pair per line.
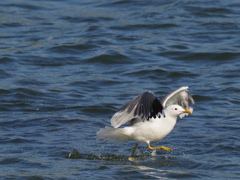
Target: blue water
67, 66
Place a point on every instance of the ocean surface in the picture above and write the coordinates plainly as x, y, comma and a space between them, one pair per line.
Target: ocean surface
67, 66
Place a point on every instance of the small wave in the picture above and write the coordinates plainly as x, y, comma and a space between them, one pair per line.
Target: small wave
107, 109
199, 98
110, 59
16, 140
10, 161
5, 60
143, 26
143, 72
4, 74
209, 56
72, 49
178, 74
23, 6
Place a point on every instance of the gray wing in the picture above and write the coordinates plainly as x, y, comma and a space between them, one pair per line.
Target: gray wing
142, 107
181, 96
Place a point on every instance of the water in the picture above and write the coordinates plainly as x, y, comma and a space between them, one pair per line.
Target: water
67, 66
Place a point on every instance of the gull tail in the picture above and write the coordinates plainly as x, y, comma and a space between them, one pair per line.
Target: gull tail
113, 134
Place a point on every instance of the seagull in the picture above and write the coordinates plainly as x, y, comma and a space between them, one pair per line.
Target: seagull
147, 119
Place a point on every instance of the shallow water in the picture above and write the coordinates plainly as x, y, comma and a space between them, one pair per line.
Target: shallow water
67, 67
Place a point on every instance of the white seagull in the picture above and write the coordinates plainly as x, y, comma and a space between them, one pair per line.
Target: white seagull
150, 119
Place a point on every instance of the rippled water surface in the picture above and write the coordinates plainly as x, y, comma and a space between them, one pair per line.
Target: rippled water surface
67, 66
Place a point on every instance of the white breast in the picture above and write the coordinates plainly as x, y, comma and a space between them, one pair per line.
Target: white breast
152, 130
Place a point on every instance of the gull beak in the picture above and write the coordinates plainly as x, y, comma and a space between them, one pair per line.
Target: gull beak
187, 111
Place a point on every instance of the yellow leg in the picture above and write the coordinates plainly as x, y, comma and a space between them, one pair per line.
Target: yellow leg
160, 147
131, 158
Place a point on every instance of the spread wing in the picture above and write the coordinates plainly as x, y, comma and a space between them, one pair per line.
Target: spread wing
181, 96
142, 107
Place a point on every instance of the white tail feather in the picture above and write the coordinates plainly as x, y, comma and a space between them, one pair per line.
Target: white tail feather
113, 134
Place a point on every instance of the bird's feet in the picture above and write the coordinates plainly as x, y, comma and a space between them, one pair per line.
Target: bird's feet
160, 147
166, 148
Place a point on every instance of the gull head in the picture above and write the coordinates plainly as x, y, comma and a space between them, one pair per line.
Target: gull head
175, 110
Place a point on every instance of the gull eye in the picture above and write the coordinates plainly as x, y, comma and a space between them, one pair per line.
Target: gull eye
175, 108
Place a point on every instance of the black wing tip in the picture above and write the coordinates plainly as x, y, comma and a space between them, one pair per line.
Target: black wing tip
148, 106
142, 107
